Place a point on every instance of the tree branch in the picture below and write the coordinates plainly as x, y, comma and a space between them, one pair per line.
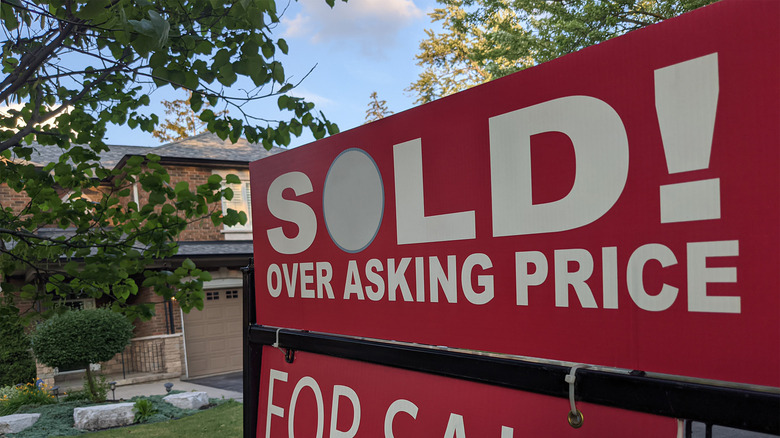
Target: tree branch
30, 63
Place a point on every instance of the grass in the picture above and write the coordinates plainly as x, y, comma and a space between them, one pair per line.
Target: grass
223, 421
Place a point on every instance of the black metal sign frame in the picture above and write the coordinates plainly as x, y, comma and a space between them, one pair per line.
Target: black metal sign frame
712, 404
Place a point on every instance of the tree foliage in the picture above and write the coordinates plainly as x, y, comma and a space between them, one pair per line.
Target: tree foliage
77, 338
377, 108
16, 362
488, 39
447, 57
181, 121
73, 68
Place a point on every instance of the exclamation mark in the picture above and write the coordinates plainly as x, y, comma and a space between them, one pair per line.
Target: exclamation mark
686, 101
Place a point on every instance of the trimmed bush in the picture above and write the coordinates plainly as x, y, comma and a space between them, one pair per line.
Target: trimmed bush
78, 338
16, 362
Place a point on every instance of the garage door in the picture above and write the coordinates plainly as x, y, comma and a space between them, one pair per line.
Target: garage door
213, 335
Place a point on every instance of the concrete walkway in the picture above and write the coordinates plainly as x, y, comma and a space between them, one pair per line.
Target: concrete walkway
127, 392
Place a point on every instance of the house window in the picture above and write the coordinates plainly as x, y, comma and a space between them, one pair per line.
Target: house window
231, 294
212, 296
241, 202
77, 303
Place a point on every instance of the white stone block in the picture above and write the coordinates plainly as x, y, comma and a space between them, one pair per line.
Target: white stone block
103, 416
188, 400
17, 422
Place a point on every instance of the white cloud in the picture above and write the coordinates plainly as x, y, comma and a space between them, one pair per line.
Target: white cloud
320, 101
370, 24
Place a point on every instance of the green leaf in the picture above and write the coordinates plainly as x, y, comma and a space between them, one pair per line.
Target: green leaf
9, 17
156, 198
207, 115
283, 101
159, 59
188, 264
221, 58
93, 9
283, 45
277, 71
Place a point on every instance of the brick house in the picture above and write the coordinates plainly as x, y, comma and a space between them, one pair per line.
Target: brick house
172, 343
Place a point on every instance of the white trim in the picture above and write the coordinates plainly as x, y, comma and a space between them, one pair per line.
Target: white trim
135, 194
145, 338
222, 283
184, 344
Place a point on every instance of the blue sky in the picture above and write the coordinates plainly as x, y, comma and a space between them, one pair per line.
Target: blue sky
355, 48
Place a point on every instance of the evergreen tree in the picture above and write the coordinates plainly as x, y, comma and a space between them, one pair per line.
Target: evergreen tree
377, 109
487, 39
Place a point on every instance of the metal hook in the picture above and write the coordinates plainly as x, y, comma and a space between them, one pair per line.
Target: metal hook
574, 417
289, 353
276, 344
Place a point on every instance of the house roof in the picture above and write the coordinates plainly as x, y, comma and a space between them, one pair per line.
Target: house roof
203, 147
216, 248
233, 248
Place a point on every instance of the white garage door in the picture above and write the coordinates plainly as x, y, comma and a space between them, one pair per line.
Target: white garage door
213, 335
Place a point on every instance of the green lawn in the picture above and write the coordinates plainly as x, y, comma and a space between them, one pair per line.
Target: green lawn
223, 421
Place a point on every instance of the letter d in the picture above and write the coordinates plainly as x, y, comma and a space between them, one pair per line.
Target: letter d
601, 154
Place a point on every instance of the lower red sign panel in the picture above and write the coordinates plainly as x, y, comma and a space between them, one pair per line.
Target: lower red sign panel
321, 396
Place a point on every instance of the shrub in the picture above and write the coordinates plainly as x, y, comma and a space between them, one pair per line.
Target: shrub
16, 362
101, 390
7, 392
144, 409
29, 394
78, 338
77, 395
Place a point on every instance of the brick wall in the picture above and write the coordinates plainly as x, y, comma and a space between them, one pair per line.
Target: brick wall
203, 230
157, 325
18, 201
9, 198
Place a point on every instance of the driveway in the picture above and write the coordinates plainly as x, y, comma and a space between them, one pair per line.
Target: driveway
230, 381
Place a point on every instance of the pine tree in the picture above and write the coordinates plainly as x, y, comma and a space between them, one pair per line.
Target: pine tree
377, 109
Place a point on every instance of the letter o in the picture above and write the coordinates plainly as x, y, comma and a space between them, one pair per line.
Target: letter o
353, 200
274, 273
311, 383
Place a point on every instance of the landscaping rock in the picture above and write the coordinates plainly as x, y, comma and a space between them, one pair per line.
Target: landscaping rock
17, 422
103, 416
188, 400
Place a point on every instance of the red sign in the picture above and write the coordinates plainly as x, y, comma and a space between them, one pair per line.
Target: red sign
619, 206
321, 396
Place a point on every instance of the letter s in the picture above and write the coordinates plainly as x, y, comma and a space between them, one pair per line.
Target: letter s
292, 211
